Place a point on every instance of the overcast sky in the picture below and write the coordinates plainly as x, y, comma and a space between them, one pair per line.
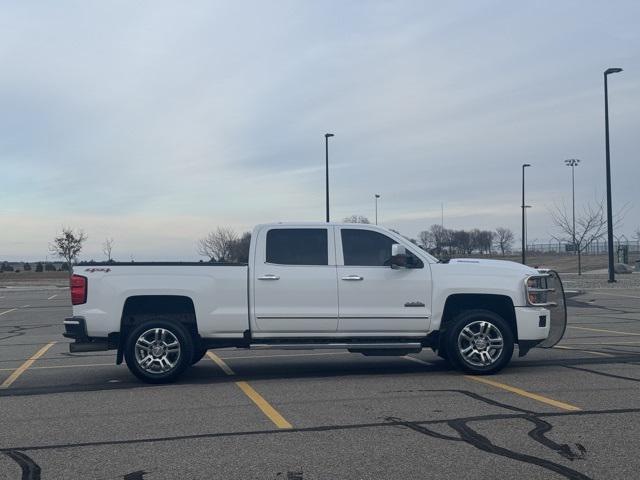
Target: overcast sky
155, 122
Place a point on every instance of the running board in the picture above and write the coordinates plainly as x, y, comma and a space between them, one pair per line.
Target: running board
349, 346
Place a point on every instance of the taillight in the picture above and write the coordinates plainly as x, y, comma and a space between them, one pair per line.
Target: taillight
78, 285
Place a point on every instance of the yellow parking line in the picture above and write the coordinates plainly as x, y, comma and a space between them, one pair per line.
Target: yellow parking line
22, 368
603, 330
524, 393
266, 408
602, 354
7, 311
263, 405
218, 361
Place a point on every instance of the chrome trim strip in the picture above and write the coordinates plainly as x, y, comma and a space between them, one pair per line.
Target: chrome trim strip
318, 346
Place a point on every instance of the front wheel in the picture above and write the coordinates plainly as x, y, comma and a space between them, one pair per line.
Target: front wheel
480, 342
158, 350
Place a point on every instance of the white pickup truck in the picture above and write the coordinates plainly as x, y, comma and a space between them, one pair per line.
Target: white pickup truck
310, 286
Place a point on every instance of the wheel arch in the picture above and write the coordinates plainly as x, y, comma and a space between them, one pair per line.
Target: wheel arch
500, 304
137, 308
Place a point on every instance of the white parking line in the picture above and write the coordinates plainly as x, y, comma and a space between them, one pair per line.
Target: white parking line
601, 354
417, 360
603, 330
52, 297
7, 311
25, 306
614, 294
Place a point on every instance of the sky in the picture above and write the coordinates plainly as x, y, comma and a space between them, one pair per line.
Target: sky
154, 122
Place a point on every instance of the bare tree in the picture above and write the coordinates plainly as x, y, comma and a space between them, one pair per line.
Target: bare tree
218, 245
68, 245
486, 241
591, 225
426, 240
441, 238
107, 247
356, 219
504, 239
240, 248
461, 241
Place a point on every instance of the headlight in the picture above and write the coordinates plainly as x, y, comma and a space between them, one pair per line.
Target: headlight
537, 290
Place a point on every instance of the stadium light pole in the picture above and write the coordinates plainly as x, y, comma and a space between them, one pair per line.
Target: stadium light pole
326, 153
524, 245
607, 72
376, 196
573, 162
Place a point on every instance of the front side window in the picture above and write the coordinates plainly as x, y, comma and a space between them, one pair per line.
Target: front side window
297, 246
367, 248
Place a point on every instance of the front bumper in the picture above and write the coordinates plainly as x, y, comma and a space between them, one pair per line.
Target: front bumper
75, 328
533, 323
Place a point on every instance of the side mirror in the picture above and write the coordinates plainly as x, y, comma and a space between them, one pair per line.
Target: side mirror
397, 249
398, 256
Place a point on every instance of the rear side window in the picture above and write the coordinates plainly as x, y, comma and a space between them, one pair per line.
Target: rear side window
297, 246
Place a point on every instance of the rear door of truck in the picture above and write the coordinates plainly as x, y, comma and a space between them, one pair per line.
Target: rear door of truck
295, 281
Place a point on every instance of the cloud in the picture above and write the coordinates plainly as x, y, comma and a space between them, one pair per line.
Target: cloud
154, 122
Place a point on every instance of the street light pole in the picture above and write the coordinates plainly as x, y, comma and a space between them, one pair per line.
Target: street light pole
612, 277
326, 152
524, 244
376, 196
573, 162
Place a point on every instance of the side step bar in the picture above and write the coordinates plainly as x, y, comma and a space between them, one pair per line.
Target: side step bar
349, 346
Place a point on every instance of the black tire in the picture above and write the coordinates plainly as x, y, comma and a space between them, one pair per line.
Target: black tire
177, 333
443, 353
488, 359
198, 353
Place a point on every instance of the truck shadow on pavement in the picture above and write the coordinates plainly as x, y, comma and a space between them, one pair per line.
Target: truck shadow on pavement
201, 374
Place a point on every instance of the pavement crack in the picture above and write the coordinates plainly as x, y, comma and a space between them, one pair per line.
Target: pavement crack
604, 374
421, 429
30, 469
538, 434
481, 442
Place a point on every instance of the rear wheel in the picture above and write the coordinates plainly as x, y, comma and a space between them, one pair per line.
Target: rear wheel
479, 342
158, 350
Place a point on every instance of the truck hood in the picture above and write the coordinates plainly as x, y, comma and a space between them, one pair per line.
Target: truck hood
483, 265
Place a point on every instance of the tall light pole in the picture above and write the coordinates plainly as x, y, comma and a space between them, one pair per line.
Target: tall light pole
573, 162
376, 196
609, 71
524, 244
326, 152
526, 226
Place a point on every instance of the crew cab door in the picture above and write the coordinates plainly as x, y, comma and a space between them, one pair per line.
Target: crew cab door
294, 281
373, 297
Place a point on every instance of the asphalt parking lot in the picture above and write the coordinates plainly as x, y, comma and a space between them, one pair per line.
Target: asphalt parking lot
568, 412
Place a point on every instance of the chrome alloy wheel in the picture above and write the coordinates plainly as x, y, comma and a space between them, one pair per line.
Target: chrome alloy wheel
480, 343
157, 350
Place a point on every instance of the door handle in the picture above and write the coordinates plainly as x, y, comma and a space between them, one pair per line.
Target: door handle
269, 276
352, 278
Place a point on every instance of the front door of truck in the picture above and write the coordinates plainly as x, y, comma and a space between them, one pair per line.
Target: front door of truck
295, 287
373, 297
